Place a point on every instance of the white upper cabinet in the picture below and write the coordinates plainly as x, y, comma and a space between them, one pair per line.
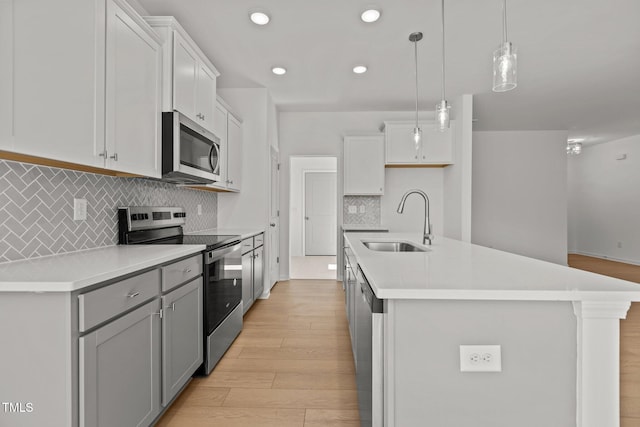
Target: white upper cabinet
189, 77
86, 89
234, 153
133, 83
229, 129
364, 165
435, 149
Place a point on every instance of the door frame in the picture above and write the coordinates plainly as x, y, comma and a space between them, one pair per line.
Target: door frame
274, 153
303, 212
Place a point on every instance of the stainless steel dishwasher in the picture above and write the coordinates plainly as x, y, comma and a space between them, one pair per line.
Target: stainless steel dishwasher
369, 353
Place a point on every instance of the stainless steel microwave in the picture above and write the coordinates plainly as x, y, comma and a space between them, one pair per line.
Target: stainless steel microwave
190, 153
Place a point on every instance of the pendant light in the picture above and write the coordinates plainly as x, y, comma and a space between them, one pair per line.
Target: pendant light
442, 108
505, 60
417, 132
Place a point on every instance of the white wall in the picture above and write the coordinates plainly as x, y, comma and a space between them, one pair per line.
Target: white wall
250, 207
298, 166
321, 134
519, 201
604, 203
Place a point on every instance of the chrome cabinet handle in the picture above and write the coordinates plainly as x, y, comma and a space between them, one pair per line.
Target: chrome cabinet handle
103, 154
114, 157
235, 281
187, 270
228, 304
133, 294
172, 306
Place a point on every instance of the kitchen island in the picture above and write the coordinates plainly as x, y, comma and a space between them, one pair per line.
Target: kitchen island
558, 329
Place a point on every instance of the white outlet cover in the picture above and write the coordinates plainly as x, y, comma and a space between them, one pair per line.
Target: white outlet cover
79, 209
363, 208
480, 358
199, 209
353, 209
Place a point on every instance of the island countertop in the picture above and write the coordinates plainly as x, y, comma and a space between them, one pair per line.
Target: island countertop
452, 269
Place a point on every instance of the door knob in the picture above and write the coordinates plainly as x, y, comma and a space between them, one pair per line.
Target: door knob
273, 224
306, 218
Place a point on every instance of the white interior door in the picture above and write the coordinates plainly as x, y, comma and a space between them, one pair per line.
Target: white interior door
274, 221
320, 213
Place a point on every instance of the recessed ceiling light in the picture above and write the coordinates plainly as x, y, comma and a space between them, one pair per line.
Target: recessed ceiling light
259, 18
359, 69
278, 70
575, 140
370, 15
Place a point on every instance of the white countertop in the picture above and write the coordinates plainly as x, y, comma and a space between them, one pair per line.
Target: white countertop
364, 227
76, 270
242, 232
457, 270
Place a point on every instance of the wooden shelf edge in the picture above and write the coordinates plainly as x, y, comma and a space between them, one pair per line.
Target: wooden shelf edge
392, 166
42, 161
212, 189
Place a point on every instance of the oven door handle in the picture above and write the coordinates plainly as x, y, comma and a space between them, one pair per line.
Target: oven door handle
212, 256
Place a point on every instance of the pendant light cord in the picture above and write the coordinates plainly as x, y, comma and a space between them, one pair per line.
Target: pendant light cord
415, 46
504, 21
442, 49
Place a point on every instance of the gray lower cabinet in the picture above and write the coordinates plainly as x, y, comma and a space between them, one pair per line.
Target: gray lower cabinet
258, 272
181, 337
120, 370
252, 270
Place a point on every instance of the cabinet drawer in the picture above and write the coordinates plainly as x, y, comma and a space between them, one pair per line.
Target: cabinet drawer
247, 244
258, 240
102, 304
179, 272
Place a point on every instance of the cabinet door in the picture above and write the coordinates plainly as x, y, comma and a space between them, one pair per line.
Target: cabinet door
258, 272
182, 337
234, 159
185, 77
247, 280
220, 130
400, 145
119, 366
206, 97
437, 147
364, 165
134, 94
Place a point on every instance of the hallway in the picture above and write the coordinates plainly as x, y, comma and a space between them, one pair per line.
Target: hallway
291, 366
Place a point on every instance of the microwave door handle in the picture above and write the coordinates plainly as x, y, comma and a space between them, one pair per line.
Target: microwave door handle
215, 168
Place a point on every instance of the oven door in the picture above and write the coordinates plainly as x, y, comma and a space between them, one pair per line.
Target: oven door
190, 153
223, 284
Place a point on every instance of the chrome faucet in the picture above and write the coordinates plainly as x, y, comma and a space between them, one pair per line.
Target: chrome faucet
427, 236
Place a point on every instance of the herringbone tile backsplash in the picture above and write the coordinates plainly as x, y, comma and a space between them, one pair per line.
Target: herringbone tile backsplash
372, 210
36, 208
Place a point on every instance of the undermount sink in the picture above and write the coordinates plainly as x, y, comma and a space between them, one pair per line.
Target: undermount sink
394, 247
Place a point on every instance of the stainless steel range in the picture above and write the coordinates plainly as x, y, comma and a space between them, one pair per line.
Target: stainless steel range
222, 270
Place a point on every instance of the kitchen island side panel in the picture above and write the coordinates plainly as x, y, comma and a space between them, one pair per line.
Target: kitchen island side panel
36, 374
537, 385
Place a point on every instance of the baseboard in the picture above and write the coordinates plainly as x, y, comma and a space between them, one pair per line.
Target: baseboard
606, 257
284, 277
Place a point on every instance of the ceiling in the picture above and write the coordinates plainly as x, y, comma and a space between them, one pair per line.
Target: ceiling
579, 60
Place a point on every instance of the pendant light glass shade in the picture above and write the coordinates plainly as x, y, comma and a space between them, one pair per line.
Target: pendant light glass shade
505, 68
574, 148
505, 60
417, 132
442, 115
442, 108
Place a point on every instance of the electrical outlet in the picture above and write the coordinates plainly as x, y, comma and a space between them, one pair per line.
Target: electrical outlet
480, 358
79, 209
353, 209
199, 209
363, 209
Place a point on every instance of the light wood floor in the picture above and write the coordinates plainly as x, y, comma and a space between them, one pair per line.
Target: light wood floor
629, 336
291, 366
